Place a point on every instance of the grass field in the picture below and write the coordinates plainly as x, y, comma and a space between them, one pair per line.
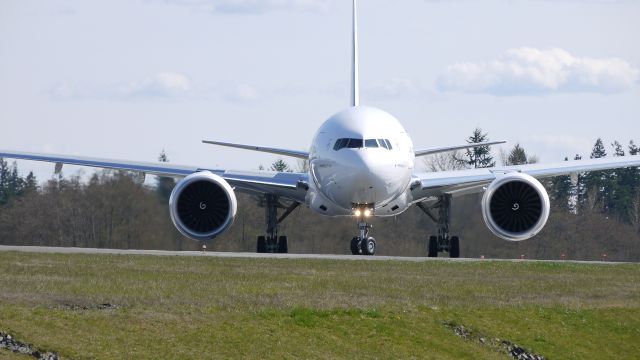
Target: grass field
183, 307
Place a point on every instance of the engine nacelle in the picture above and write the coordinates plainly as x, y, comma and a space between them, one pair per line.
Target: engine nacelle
515, 207
203, 206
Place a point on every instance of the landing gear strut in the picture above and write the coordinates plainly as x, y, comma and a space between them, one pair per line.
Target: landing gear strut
443, 242
271, 242
363, 244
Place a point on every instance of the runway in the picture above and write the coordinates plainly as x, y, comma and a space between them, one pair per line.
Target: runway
72, 250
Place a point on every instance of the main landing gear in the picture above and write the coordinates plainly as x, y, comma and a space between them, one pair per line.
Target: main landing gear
363, 244
443, 242
271, 242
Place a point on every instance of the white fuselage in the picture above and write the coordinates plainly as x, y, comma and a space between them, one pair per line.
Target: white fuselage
361, 156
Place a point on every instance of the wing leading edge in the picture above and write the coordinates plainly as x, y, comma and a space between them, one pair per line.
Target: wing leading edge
290, 185
432, 151
277, 151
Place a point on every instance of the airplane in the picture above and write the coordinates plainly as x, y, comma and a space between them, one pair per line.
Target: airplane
361, 165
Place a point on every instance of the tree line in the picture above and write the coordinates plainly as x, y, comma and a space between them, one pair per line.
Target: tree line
593, 213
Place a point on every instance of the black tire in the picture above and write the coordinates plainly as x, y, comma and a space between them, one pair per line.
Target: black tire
355, 248
262, 244
283, 246
454, 247
368, 246
433, 246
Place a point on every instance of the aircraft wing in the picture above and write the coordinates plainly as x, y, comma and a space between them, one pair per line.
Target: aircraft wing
289, 185
432, 151
463, 182
286, 152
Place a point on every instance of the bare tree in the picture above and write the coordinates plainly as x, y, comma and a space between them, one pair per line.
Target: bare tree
443, 161
303, 165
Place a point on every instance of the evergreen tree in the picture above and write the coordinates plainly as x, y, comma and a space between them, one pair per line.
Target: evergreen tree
478, 157
15, 183
4, 181
561, 192
165, 184
617, 149
578, 189
634, 174
12, 185
30, 183
633, 148
623, 187
280, 166
619, 189
517, 156
598, 183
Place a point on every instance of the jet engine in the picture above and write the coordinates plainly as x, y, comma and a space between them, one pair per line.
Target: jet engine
203, 206
515, 207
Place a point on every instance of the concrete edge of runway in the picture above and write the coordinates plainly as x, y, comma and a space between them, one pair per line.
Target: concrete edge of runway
93, 251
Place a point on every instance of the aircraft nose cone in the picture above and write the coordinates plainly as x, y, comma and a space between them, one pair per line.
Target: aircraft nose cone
366, 178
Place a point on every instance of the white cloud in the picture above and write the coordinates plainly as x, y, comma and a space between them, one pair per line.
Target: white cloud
63, 91
161, 85
393, 87
242, 93
165, 84
253, 6
526, 70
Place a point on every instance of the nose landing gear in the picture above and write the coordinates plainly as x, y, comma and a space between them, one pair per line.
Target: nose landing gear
363, 244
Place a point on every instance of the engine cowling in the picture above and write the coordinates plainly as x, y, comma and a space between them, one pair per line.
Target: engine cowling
515, 207
203, 206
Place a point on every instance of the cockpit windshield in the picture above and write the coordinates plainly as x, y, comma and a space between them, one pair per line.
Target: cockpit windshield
354, 143
371, 143
360, 143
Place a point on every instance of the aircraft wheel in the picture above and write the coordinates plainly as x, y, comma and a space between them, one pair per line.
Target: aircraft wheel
355, 246
283, 246
433, 246
262, 244
454, 247
368, 246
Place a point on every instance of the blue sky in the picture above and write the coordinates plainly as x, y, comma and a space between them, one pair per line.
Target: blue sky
127, 78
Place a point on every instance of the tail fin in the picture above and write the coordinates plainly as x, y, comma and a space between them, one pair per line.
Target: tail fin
355, 90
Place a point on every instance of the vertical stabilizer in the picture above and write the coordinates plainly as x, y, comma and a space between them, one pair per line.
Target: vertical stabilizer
355, 90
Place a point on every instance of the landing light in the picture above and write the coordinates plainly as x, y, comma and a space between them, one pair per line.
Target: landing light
367, 213
357, 212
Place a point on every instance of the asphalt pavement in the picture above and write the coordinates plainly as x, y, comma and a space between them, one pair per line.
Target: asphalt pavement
72, 250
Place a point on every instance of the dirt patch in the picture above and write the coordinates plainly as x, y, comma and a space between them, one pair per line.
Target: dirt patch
10, 343
105, 306
499, 345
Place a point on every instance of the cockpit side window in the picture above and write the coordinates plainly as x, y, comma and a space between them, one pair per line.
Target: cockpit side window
388, 144
340, 144
371, 143
382, 143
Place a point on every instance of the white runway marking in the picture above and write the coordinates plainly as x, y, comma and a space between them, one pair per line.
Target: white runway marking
71, 250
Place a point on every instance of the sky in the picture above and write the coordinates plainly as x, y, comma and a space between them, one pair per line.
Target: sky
125, 79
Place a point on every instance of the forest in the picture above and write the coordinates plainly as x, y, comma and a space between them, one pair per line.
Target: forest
593, 216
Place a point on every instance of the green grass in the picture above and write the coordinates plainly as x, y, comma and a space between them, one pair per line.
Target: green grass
203, 307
